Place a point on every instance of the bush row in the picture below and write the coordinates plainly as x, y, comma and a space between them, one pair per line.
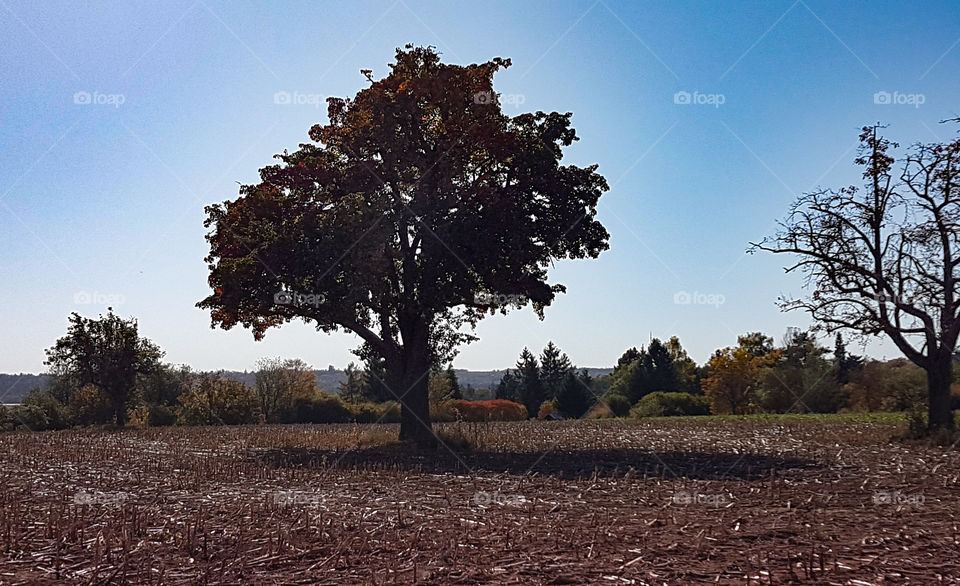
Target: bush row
221, 404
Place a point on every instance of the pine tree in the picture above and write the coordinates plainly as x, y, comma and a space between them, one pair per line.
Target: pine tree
509, 387
576, 395
531, 385
844, 363
554, 368
455, 391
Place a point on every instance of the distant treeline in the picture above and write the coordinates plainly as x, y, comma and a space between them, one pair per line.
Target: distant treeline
14, 387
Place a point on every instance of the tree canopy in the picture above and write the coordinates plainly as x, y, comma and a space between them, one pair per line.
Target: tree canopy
416, 210
108, 353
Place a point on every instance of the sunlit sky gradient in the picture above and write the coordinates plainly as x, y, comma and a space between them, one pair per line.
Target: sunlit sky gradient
102, 203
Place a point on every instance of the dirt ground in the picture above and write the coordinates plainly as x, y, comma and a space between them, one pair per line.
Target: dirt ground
611, 502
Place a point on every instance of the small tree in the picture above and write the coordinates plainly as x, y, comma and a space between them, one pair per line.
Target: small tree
456, 392
884, 260
352, 389
735, 374
279, 382
444, 386
108, 353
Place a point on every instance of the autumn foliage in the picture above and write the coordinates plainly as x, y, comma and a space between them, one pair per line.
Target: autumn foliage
493, 410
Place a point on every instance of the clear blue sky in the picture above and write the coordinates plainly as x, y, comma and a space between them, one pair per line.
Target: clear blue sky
101, 203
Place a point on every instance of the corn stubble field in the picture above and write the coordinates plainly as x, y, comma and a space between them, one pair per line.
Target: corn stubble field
660, 502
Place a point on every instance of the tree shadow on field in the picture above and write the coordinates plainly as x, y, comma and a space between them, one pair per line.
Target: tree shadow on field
564, 464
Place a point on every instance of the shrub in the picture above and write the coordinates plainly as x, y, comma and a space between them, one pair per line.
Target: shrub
547, 408
660, 404
618, 404
160, 416
90, 406
194, 409
320, 408
56, 414
29, 417
599, 411
388, 412
493, 410
217, 401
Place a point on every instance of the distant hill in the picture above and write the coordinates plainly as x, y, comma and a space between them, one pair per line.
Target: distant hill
13, 387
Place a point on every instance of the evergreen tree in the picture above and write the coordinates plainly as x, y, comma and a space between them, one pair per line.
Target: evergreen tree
376, 389
509, 387
688, 375
628, 357
531, 386
554, 368
576, 395
845, 363
661, 373
455, 391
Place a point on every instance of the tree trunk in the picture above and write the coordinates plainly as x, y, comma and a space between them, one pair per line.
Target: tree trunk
415, 425
939, 378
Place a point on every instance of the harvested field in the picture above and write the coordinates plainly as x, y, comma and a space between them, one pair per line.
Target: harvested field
825, 501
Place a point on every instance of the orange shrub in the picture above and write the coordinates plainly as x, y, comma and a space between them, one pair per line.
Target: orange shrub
547, 408
462, 410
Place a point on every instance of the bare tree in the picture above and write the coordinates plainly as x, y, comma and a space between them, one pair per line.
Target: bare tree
882, 259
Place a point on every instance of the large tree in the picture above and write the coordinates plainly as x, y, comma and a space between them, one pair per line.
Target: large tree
107, 352
419, 208
883, 259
